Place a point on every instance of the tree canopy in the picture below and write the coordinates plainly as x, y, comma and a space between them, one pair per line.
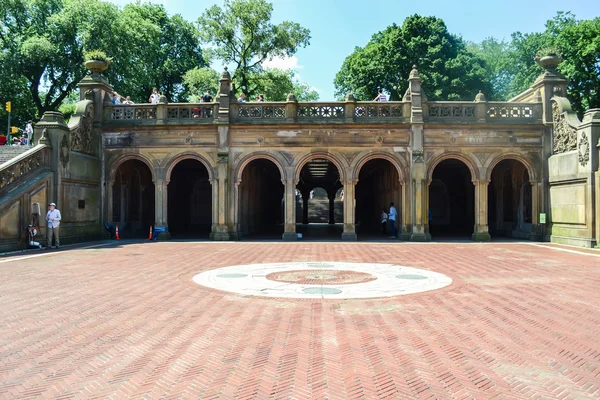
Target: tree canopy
242, 34
449, 71
43, 42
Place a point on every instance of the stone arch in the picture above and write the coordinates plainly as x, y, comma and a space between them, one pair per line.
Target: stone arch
114, 166
320, 154
256, 156
511, 156
188, 155
396, 162
470, 163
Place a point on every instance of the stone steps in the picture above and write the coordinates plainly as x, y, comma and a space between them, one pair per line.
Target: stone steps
7, 153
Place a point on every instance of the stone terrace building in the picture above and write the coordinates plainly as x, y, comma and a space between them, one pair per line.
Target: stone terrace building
229, 170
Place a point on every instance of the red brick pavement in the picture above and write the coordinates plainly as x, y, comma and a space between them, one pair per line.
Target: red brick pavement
520, 321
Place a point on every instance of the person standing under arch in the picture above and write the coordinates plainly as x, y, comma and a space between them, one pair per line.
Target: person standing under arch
392, 220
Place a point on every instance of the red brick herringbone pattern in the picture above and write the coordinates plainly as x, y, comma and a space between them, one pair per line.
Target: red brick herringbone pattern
520, 321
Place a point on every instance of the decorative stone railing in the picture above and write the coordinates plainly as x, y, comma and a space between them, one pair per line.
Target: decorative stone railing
317, 112
323, 113
442, 111
373, 111
482, 112
204, 112
513, 112
131, 112
260, 111
22, 167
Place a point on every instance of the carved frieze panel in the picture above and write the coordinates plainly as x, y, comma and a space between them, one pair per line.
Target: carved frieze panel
482, 157
584, 150
565, 137
81, 136
289, 157
65, 154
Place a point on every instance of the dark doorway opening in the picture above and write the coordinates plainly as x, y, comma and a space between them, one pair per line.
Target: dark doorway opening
261, 202
189, 201
133, 199
510, 200
451, 201
319, 201
378, 186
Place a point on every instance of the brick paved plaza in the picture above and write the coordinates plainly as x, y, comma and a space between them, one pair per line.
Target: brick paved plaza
127, 321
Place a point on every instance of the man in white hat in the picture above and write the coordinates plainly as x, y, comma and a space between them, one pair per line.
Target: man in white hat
53, 222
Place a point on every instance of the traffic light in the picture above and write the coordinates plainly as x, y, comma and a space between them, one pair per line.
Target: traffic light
8, 106
14, 130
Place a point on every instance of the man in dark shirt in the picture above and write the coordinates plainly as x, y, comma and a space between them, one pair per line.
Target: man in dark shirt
207, 98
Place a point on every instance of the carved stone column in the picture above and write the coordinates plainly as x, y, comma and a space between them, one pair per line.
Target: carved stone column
161, 206
536, 191
406, 211
420, 186
221, 231
481, 231
289, 232
349, 233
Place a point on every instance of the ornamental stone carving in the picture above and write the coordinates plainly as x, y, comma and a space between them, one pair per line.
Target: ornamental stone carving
584, 150
565, 137
65, 154
417, 156
81, 137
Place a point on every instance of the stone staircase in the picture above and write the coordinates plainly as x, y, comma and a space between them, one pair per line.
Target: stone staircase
7, 153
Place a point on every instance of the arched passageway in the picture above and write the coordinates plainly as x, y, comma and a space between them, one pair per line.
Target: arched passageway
378, 186
133, 199
319, 201
510, 200
451, 200
261, 203
189, 200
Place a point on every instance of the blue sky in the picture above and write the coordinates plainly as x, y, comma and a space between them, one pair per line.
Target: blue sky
338, 26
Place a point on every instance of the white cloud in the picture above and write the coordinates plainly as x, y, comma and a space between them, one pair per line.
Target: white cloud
283, 63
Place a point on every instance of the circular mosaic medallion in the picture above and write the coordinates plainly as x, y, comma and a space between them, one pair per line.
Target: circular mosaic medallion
321, 277
330, 280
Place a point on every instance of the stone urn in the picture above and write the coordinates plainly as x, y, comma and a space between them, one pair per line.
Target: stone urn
549, 62
97, 66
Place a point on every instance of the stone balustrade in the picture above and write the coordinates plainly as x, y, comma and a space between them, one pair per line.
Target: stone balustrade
21, 167
325, 112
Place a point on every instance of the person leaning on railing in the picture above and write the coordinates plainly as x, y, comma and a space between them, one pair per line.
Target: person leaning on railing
380, 96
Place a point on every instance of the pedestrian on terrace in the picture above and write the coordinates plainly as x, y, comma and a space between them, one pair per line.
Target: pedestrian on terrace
53, 226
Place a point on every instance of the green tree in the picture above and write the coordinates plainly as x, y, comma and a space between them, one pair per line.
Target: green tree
242, 34
160, 50
198, 80
44, 42
497, 63
276, 84
449, 71
579, 43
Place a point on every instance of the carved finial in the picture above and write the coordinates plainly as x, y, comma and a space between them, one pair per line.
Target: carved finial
225, 76
350, 97
414, 71
480, 97
291, 98
162, 99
